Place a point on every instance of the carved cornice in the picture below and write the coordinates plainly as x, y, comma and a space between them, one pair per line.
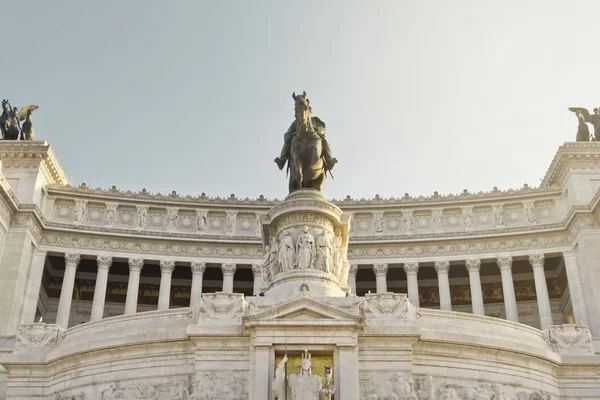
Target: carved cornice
505, 263
411, 268
136, 264
35, 153
572, 155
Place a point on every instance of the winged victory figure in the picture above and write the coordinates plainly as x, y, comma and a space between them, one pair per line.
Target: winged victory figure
584, 117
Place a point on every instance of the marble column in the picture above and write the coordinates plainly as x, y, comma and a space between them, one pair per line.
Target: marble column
541, 290
258, 280
164, 293
475, 284
575, 288
66, 292
380, 271
352, 278
104, 263
198, 269
133, 286
508, 288
411, 270
228, 272
442, 268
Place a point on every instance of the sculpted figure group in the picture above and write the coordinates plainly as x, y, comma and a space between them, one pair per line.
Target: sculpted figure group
306, 252
584, 117
10, 122
304, 385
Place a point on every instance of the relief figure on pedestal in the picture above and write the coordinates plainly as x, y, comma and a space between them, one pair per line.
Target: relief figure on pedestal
287, 252
305, 249
266, 272
274, 257
306, 149
323, 254
337, 256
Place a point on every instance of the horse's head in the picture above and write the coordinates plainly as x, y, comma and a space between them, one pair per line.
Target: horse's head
302, 108
5, 105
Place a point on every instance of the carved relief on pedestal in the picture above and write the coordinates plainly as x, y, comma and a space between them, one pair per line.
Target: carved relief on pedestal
569, 339
382, 307
38, 338
387, 386
223, 306
175, 388
221, 385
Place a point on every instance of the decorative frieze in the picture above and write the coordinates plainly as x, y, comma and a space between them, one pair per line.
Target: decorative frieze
569, 339
38, 338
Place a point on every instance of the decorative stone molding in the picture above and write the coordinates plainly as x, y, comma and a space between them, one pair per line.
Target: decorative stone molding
411, 268
387, 386
38, 338
198, 267
387, 307
167, 266
504, 263
220, 306
226, 385
174, 387
473, 265
228, 269
380, 269
72, 259
569, 339
136, 264
536, 260
104, 262
442, 267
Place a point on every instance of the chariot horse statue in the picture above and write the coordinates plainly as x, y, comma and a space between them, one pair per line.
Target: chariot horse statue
10, 121
305, 149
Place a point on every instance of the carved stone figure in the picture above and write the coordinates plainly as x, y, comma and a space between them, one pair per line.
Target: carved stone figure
141, 213
171, 218
437, 221
111, 214
287, 252
408, 222
108, 394
266, 272
530, 213
305, 385
402, 388
449, 394
328, 390
323, 253
79, 210
468, 219
336, 256
201, 219
274, 258
499, 215
305, 249
279, 384
306, 149
231, 220
378, 222
427, 386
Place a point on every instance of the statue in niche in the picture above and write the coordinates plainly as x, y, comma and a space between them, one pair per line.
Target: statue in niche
408, 222
379, 223
337, 256
305, 249
306, 149
201, 219
142, 212
323, 252
79, 210
287, 252
530, 213
468, 219
171, 218
437, 221
584, 117
231, 219
329, 390
499, 215
302, 386
110, 215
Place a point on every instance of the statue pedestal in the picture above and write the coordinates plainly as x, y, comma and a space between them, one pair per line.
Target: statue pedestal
307, 240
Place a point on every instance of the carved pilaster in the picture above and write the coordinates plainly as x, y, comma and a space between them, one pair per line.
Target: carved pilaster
167, 266
473, 265
442, 267
380, 269
136, 264
198, 267
505, 263
104, 262
411, 268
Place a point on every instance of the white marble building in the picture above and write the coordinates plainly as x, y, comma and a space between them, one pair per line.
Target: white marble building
147, 296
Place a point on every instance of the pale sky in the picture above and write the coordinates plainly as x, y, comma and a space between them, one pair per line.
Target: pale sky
195, 96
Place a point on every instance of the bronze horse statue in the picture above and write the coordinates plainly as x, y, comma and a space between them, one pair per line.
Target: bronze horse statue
9, 122
307, 164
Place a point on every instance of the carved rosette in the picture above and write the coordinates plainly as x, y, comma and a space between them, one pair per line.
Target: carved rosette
569, 339
38, 338
388, 308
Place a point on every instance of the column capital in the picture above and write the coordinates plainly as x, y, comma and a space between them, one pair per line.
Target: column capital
104, 262
380, 269
256, 270
353, 269
136, 264
72, 259
167, 266
473, 265
441, 267
411, 268
228, 269
198, 267
536, 260
504, 263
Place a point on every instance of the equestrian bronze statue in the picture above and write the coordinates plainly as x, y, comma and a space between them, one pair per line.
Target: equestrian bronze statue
305, 149
10, 122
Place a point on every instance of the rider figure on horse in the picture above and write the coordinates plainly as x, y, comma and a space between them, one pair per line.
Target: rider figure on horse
318, 133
